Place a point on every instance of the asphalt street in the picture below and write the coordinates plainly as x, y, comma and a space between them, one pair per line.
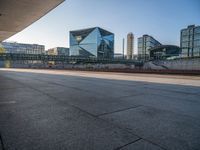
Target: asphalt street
74, 110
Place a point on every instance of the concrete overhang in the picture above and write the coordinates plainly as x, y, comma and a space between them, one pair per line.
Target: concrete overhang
15, 15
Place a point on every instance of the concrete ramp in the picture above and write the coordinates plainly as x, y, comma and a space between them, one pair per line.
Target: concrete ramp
15, 15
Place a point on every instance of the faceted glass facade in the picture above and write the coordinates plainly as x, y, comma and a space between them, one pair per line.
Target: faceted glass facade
190, 41
92, 42
145, 43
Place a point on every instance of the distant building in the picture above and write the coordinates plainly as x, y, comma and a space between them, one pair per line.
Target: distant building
130, 46
145, 43
13, 47
164, 51
92, 42
190, 41
118, 56
58, 51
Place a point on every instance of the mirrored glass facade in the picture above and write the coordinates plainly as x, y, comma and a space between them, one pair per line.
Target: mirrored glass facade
190, 41
93, 42
145, 43
164, 51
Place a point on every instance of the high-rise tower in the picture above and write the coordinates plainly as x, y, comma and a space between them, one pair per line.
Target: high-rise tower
190, 41
130, 45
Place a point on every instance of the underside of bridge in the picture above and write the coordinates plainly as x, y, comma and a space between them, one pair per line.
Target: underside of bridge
15, 15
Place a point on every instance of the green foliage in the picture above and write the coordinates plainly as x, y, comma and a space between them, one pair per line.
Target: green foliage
2, 50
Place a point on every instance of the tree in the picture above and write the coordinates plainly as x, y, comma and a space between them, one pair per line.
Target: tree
2, 50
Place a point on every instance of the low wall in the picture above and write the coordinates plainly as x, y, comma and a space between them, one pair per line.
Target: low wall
179, 64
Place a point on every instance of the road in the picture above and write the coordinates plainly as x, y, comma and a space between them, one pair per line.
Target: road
64, 110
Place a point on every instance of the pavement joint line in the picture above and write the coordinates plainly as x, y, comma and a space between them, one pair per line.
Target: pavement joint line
118, 148
111, 82
174, 91
4, 89
120, 110
7, 102
169, 96
1, 142
127, 96
154, 144
54, 83
75, 88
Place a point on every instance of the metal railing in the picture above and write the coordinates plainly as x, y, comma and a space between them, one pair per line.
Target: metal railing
62, 58
77, 59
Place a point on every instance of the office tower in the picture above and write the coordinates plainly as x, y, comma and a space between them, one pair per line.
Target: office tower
145, 43
93, 42
190, 41
130, 45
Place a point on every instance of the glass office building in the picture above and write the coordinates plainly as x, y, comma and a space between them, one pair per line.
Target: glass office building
13, 47
145, 43
190, 41
93, 42
164, 51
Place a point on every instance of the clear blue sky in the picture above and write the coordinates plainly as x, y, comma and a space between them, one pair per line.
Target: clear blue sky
162, 19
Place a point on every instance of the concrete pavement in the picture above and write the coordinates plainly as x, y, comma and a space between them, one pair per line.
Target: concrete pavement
52, 109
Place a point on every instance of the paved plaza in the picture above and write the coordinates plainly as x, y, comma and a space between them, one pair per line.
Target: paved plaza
74, 110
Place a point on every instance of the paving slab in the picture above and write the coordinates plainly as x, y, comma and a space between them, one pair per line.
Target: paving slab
167, 129
187, 105
90, 102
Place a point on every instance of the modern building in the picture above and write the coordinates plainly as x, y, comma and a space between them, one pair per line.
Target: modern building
145, 43
190, 41
92, 42
118, 56
164, 51
13, 47
58, 51
130, 46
